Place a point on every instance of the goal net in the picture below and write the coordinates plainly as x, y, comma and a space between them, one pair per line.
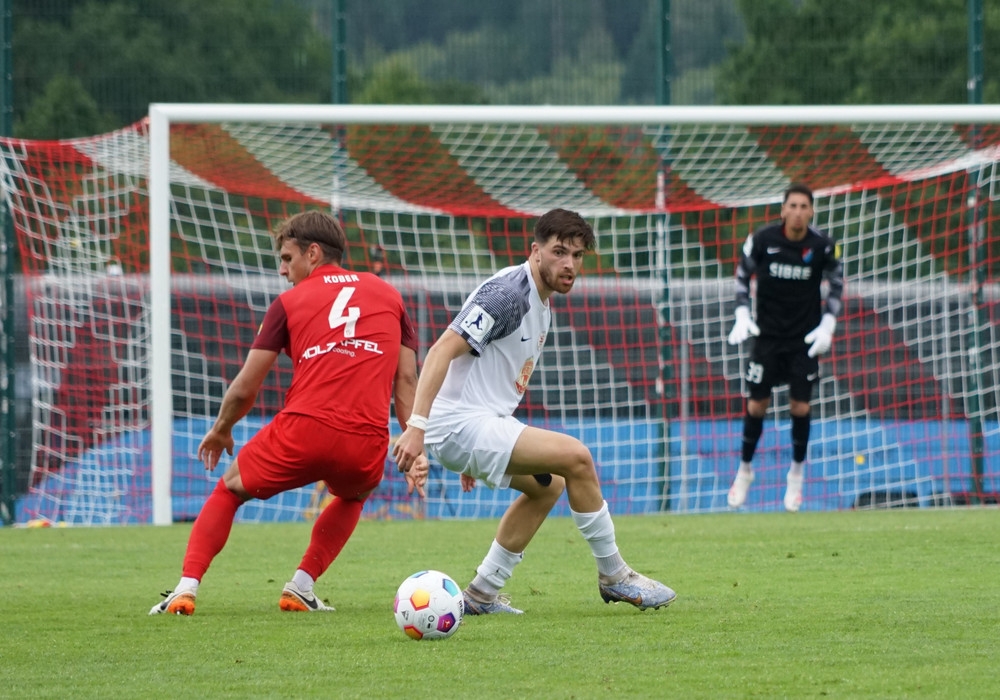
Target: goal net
147, 268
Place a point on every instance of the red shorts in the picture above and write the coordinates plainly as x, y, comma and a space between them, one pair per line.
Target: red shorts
295, 450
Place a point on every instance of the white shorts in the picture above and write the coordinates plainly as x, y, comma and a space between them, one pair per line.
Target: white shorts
480, 447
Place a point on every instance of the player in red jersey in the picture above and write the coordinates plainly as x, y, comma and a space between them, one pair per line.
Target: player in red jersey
353, 348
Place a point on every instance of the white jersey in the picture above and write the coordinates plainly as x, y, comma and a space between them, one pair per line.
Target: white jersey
505, 322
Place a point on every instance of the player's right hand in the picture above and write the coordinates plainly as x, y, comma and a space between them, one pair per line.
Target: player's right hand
416, 475
744, 327
212, 445
408, 449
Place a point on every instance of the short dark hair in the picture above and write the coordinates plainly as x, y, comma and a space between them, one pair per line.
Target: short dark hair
564, 225
798, 188
317, 227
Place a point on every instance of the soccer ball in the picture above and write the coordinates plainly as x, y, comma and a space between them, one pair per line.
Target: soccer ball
428, 605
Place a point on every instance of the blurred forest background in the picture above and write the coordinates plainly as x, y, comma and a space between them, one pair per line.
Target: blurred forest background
87, 66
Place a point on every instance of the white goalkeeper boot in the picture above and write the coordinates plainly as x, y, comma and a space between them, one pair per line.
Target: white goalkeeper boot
738, 491
793, 493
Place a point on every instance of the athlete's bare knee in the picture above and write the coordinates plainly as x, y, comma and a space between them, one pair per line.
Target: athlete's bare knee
799, 409
579, 464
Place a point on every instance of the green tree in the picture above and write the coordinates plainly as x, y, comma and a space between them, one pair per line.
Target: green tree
700, 33
531, 51
126, 54
394, 81
506, 66
63, 110
587, 73
852, 52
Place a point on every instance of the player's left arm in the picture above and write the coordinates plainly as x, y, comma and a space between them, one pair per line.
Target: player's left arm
833, 273
237, 402
820, 338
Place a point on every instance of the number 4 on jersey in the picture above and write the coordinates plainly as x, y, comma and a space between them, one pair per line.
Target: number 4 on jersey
337, 316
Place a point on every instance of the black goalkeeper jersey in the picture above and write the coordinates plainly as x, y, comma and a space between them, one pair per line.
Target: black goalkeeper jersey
789, 274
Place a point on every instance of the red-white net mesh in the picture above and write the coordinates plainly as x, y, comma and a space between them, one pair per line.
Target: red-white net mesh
637, 365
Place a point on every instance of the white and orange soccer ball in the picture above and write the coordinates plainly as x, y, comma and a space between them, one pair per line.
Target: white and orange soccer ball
429, 605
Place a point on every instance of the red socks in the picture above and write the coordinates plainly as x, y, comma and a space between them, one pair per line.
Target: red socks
333, 528
211, 530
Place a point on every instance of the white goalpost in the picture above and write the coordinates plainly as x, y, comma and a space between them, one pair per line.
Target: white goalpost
146, 254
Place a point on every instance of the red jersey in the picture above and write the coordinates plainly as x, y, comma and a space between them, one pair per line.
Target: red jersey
343, 331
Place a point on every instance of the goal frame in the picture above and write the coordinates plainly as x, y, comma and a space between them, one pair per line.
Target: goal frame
163, 115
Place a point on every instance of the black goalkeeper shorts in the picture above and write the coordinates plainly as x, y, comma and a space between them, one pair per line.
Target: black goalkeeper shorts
777, 361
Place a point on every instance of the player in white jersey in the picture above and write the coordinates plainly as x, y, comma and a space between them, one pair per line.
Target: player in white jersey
474, 377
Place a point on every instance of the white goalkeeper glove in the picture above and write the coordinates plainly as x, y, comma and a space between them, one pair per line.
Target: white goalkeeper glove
821, 337
744, 326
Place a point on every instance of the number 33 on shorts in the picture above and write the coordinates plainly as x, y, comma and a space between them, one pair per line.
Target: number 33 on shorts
755, 372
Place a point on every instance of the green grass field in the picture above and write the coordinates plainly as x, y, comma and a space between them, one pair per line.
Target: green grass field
899, 603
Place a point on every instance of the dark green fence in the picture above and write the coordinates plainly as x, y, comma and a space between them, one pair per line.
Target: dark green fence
86, 66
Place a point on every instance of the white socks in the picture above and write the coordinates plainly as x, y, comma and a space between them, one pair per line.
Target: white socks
303, 581
746, 468
188, 584
497, 567
597, 528
599, 531
796, 469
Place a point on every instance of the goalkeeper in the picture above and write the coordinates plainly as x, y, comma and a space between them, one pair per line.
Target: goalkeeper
790, 259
